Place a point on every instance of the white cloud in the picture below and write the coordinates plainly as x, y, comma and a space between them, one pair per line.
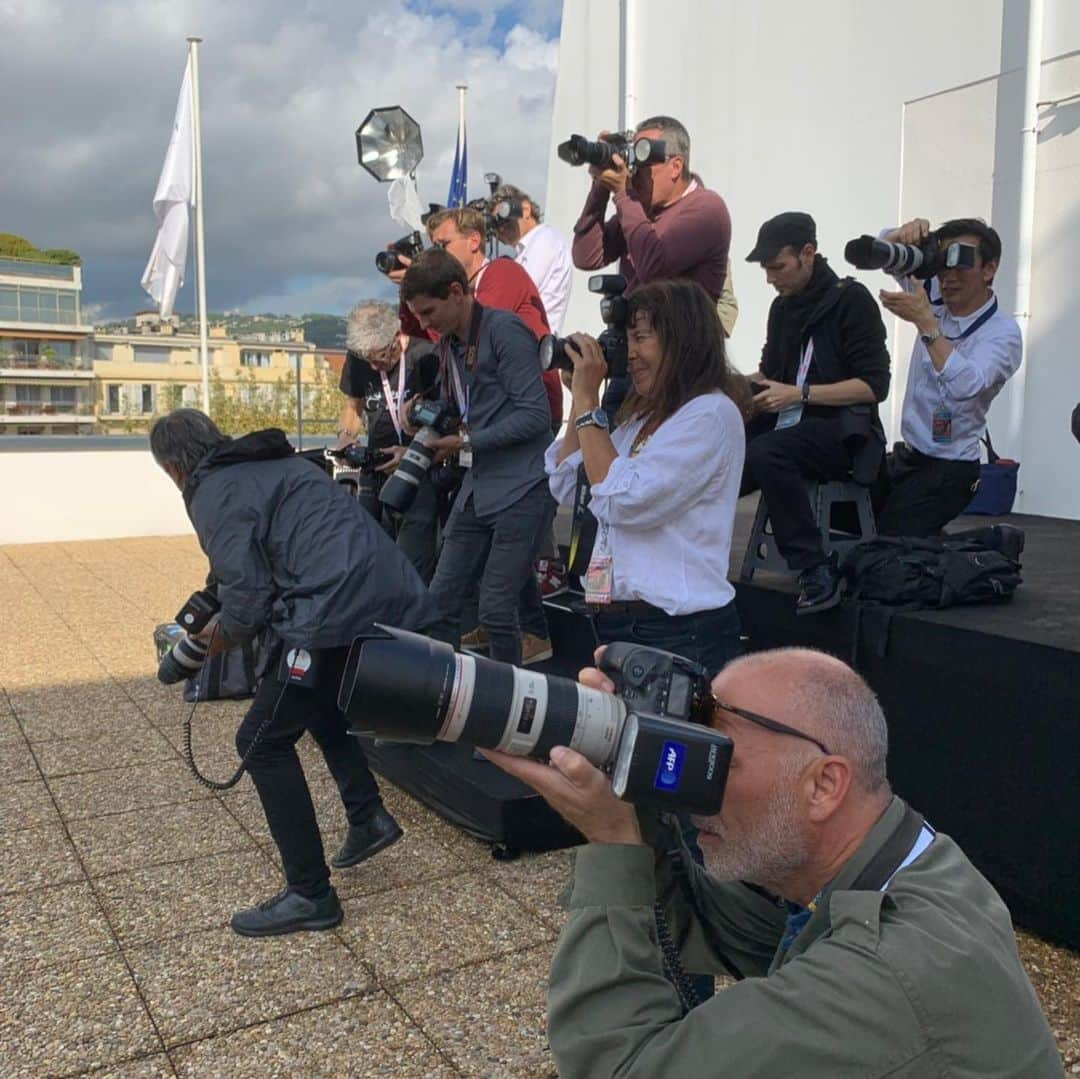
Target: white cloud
283, 88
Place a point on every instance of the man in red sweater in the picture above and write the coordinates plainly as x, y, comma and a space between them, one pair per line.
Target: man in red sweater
502, 284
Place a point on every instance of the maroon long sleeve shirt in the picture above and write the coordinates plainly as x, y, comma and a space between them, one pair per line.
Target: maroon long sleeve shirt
687, 239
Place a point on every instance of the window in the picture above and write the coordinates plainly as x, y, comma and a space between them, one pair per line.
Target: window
112, 398
103, 352
249, 358
147, 398
150, 354
190, 397
28, 395
9, 303
63, 397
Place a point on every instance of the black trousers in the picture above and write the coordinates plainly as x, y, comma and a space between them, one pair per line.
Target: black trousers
778, 462
279, 779
918, 495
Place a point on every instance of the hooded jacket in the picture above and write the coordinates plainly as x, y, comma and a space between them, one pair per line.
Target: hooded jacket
292, 550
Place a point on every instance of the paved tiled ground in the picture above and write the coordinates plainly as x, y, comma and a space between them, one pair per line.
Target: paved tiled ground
118, 873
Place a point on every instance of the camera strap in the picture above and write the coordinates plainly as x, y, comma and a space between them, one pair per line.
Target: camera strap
985, 317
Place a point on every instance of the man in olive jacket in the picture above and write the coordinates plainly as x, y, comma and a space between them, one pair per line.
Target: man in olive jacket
888, 955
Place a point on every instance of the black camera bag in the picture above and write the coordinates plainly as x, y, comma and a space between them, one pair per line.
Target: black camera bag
232, 675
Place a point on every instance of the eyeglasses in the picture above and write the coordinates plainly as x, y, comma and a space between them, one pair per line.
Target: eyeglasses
770, 724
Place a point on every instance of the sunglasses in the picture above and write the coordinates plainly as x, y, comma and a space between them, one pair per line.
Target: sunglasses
769, 724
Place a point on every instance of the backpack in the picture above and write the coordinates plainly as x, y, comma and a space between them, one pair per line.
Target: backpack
909, 573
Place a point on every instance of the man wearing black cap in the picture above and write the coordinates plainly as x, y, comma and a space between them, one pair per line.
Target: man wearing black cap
824, 368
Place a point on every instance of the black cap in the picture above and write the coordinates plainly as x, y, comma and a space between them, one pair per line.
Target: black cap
791, 228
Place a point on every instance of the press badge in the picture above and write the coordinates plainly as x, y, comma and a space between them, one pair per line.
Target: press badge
941, 425
298, 668
788, 417
598, 579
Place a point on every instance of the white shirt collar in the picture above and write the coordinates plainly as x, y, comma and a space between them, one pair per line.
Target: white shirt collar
964, 321
527, 239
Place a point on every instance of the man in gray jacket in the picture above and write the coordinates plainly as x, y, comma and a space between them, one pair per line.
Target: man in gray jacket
291, 552
489, 367
866, 944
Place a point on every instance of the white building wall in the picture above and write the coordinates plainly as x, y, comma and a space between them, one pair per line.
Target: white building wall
807, 106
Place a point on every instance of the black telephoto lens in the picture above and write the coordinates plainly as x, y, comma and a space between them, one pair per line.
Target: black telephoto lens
388, 261
553, 354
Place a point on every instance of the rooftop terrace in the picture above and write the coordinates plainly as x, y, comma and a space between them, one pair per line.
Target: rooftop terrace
119, 873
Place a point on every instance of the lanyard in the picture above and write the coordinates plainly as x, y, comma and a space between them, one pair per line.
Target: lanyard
804, 362
394, 403
446, 359
980, 321
474, 284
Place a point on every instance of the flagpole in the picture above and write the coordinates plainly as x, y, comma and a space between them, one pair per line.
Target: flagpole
200, 239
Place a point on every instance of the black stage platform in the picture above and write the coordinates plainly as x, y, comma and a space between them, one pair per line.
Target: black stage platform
983, 706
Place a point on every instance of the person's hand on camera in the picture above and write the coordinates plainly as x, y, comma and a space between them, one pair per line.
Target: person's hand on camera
405, 411
590, 370
445, 447
911, 232
214, 638
397, 276
616, 178
395, 454
913, 307
776, 396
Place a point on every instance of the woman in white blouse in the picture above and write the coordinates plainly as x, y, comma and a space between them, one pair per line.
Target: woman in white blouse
664, 482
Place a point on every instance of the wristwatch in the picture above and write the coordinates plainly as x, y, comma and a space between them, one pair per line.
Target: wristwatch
596, 418
806, 393
929, 338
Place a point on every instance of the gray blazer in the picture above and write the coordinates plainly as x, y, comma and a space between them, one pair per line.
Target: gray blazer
509, 417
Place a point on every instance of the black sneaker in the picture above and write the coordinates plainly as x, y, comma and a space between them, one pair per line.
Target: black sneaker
377, 833
1009, 541
288, 912
819, 587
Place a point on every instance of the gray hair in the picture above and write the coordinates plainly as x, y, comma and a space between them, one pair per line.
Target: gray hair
676, 137
843, 711
370, 327
183, 438
508, 191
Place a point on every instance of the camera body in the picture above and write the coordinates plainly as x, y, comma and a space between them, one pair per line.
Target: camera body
353, 466
435, 419
410, 246
614, 310
923, 260
652, 737
578, 150
188, 654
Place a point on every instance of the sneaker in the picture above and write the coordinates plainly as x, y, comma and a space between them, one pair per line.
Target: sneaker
288, 912
365, 840
478, 638
535, 649
1009, 541
819, 587
551, 576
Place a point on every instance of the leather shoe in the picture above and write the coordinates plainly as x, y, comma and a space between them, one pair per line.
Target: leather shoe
1010, 541
819, 587
288, 912
377, 833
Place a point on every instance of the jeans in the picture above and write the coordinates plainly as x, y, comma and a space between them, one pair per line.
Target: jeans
499, 549
279, 779
418, 529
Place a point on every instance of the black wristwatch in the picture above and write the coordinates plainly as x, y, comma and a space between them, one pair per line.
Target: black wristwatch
597, 417
806, 393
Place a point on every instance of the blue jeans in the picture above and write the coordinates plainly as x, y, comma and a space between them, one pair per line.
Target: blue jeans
499, 550
711, 638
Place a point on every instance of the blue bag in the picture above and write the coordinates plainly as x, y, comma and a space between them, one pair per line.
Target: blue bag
997, 484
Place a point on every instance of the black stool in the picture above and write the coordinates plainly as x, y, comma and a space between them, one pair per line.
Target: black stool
762, 552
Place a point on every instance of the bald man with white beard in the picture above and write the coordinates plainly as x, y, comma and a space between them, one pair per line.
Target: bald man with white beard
866, 943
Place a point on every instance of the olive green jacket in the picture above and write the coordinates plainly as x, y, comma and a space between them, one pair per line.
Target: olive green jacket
922, 979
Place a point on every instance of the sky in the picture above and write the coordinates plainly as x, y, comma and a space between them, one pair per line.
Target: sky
292, 221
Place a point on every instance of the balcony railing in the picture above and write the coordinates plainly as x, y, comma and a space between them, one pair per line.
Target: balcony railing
32, 268
19, 361
45, 408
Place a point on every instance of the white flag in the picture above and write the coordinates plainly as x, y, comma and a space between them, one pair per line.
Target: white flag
173, 199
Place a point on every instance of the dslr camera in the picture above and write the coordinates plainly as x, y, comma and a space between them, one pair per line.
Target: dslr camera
353, 466
410, 246
652, 737
614, 310
578, 150
435, 419
924, 260
187, 654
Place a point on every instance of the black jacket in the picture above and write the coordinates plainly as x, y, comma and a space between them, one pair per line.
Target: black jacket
292, 550
849, 342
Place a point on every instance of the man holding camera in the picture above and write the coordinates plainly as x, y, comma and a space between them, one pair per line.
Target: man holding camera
824, 368
865, 943
292, 553
382, 371
488, 366
965, 351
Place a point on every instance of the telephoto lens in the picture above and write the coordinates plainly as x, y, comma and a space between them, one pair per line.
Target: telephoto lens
183, 660
870, 253
652, 738
435, 419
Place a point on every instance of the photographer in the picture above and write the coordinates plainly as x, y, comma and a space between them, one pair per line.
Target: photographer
867, 944
658, 573
540, 250
965, 351
824, 368
488, 365
292, 553
666, 224
377, 379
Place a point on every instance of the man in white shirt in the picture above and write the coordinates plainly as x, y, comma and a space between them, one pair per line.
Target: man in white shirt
966, 350
540, 249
